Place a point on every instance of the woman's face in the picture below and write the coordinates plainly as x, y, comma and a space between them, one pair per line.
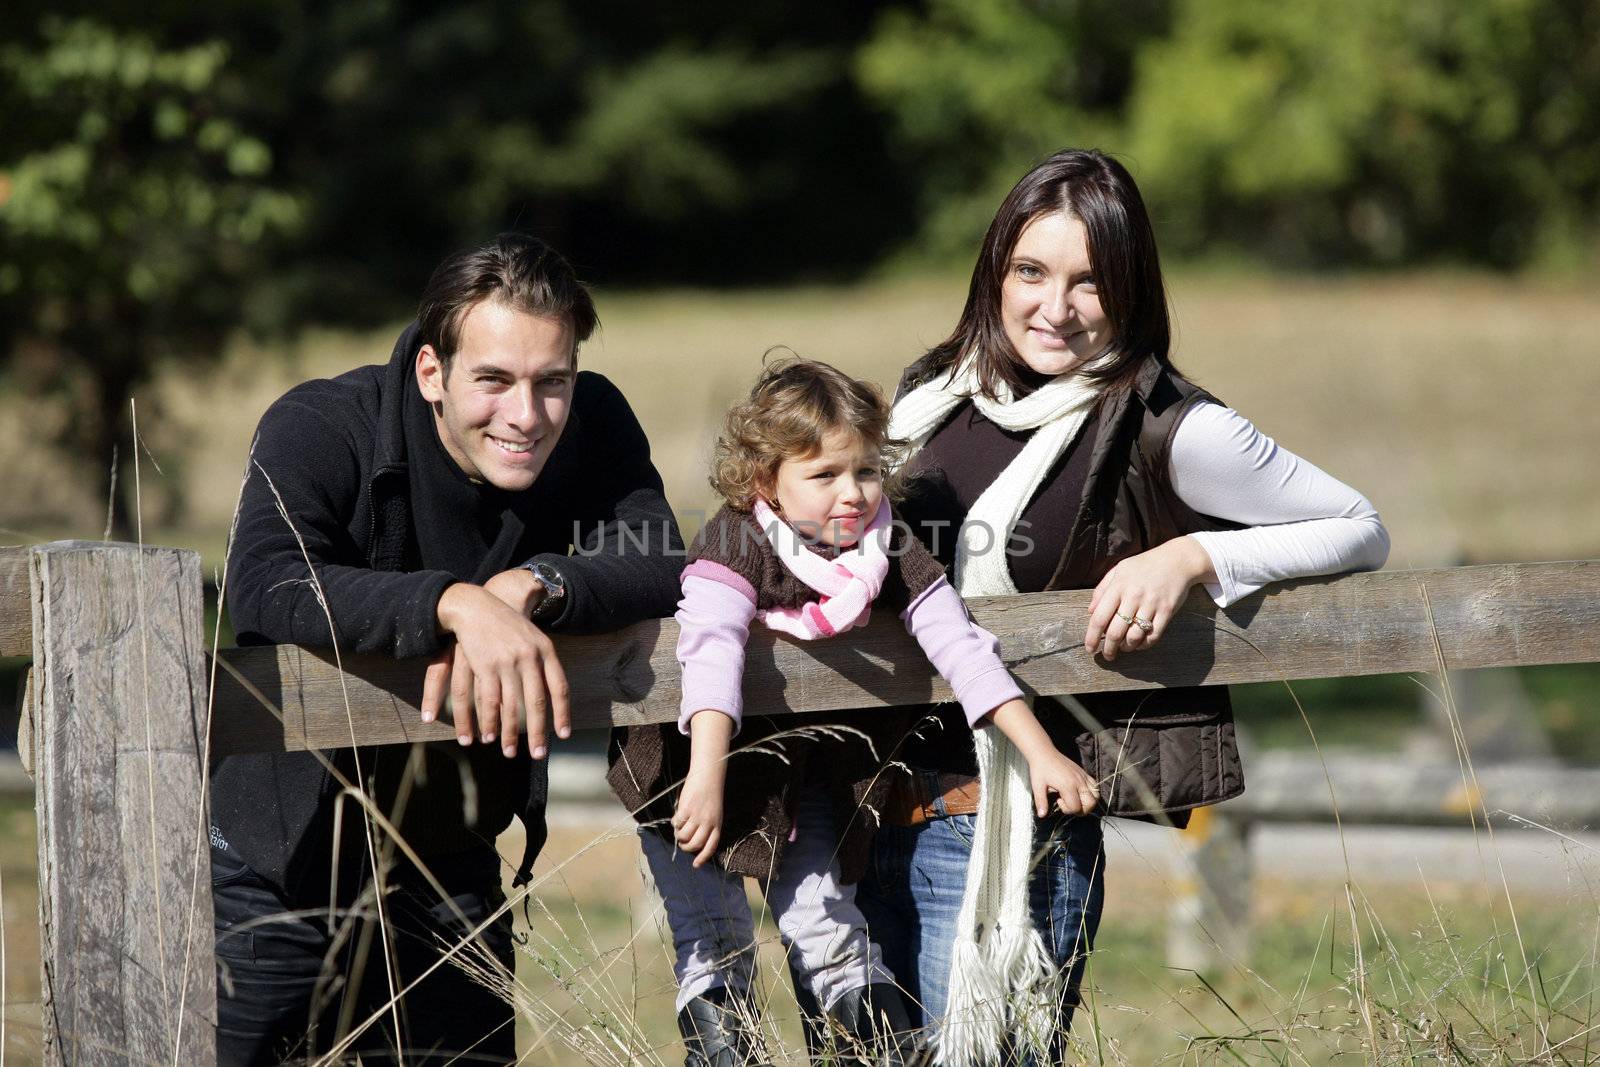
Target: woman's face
1048, 301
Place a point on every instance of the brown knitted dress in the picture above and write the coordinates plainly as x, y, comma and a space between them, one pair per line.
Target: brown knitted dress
773, 756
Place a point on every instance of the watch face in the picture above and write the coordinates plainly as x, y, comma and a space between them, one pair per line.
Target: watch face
550, 578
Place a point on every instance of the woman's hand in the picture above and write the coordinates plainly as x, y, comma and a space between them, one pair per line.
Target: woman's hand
1137, 598
697, 820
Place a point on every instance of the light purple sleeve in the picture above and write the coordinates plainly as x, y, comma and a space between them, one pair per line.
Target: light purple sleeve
713, 625
964, 653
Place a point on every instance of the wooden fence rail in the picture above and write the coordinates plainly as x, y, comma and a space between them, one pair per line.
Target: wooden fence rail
116, 710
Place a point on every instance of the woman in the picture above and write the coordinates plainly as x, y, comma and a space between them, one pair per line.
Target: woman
1056, 447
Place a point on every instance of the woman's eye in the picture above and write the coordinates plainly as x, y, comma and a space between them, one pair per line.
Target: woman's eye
1028, 270
1086, 283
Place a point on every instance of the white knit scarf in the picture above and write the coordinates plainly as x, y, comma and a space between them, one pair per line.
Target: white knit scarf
1003, 979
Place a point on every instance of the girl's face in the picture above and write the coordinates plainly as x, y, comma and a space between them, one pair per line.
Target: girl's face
1048, 302
831, 495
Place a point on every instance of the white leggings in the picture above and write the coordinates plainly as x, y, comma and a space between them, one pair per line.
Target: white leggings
713, 932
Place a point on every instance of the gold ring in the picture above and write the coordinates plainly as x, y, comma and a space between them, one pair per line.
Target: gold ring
1144, 624
1127, 620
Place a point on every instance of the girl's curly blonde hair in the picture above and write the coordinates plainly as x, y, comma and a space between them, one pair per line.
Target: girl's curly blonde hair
793, 406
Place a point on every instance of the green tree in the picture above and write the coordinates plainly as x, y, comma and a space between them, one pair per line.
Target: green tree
718, 142
1318, 132
982, 89
132, 205
1368, 131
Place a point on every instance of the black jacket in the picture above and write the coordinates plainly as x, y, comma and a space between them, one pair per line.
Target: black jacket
334, 453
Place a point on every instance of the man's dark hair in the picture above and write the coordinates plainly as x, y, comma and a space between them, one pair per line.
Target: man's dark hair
515, 268
1097, 190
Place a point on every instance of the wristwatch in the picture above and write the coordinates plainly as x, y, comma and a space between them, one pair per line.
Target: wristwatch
555, 589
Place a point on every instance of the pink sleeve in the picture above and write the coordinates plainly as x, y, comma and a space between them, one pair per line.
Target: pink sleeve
964, 653
713, 625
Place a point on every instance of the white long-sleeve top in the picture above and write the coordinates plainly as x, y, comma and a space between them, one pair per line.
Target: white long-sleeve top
1301, 520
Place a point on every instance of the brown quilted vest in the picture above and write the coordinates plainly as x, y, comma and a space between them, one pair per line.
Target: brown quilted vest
1157, 753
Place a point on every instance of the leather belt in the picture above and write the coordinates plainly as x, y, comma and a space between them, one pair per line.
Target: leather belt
914, 798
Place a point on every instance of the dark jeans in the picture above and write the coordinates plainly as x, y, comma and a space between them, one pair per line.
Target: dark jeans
289, 986
912, 893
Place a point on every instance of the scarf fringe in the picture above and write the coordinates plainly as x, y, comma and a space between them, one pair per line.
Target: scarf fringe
1022, 959
974, 1024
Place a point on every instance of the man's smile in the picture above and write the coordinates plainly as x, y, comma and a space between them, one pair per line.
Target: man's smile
516, 448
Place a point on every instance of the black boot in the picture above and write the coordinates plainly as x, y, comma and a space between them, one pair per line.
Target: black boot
720, 1031
874, 1030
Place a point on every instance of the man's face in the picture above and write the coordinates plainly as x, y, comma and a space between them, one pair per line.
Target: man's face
503, 405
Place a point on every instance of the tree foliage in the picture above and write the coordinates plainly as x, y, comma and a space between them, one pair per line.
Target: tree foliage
131, 201
981, 89
1317, 132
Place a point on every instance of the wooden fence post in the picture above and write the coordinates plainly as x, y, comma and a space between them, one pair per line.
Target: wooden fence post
1208, 928
119, 727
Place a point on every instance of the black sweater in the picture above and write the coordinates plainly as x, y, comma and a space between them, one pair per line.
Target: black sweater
334, 453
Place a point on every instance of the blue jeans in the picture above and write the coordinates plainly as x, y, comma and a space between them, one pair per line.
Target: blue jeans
912, 893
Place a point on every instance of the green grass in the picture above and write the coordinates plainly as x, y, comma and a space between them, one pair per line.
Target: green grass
1391, 973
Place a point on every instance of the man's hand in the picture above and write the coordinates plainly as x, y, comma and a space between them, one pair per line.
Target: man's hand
500, 661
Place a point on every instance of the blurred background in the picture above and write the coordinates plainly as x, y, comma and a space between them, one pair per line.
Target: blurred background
1380, 222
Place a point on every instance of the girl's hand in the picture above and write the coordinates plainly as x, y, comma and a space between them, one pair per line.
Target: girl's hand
1137, 598
697, 820
1051, 772
1048, 770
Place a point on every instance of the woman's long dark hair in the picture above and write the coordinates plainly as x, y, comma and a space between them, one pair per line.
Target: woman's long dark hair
1090, 186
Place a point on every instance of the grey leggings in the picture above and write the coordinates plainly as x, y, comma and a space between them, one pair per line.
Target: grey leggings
713, 932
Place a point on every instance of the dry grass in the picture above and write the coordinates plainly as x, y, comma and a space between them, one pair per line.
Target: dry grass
1460, 405
1439, 972
1410, 973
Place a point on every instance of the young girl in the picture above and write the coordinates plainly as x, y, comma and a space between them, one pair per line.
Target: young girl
804, 543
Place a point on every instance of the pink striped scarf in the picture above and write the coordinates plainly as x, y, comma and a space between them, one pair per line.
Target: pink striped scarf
846, 585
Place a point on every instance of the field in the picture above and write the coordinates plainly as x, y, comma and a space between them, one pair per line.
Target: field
1459, 405
1392, 972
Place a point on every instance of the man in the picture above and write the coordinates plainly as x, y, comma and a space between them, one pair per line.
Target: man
424, 508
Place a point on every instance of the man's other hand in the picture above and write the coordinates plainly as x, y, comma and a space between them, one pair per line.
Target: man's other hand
500, 662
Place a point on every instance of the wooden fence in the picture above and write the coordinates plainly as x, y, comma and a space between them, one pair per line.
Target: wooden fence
120, 717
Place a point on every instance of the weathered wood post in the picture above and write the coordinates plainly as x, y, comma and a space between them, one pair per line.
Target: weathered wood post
119, 728
1208, 927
